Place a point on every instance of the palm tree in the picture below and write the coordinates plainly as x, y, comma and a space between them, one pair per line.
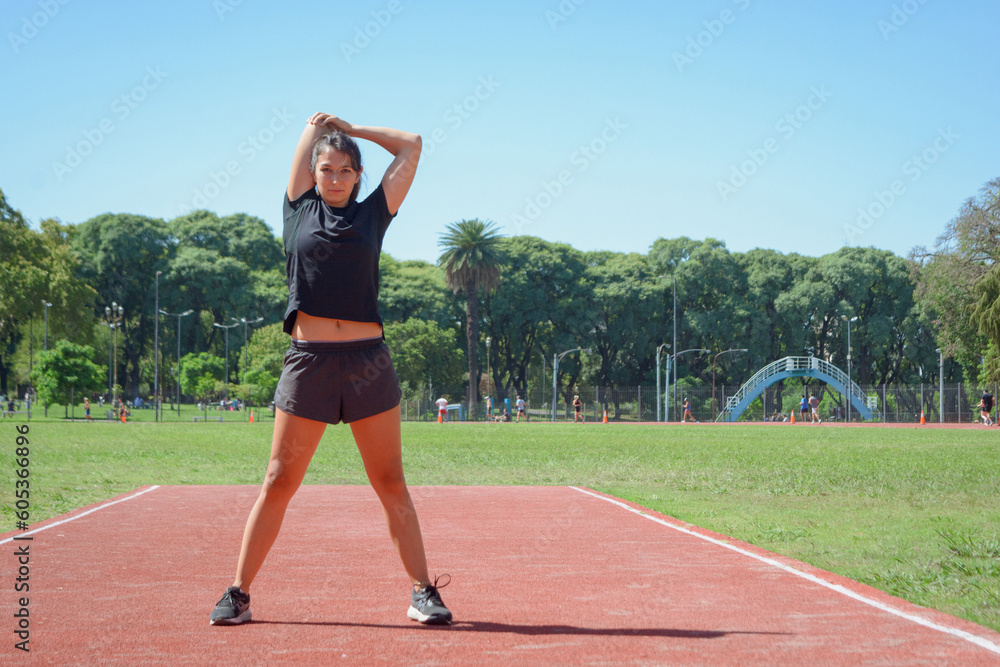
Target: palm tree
471, 261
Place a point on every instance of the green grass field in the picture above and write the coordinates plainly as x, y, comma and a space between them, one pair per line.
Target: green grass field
913, 512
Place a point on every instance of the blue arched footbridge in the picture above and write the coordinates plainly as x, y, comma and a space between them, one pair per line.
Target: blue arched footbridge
791, 367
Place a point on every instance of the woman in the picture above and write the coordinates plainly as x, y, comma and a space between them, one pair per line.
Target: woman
338, 367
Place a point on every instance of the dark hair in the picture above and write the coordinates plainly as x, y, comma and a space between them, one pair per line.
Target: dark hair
338, 141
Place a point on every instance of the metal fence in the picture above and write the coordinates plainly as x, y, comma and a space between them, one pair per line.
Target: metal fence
889, 403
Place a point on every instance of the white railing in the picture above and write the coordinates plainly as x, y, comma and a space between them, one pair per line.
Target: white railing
789, 364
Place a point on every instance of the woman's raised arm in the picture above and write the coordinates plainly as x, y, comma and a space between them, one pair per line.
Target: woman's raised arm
302, 179
405, 148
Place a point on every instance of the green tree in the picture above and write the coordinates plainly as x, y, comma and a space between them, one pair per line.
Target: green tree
119, 256
627, 305
417, 289
973, 238
37, 266
206, 387
424, 352
194, 366
265, 352
471, 261
65, 371
540, 305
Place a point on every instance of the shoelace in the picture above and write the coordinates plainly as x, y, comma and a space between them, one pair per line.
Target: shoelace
235, 597
430, 591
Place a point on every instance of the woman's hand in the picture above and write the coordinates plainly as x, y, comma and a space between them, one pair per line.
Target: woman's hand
331, 121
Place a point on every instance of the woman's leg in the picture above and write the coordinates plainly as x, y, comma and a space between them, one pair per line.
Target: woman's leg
292, 448
380, 444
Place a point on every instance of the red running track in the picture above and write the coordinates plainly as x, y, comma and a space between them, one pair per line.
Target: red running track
541, 575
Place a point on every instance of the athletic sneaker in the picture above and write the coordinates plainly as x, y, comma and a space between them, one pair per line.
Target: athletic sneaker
233, 608
426, 605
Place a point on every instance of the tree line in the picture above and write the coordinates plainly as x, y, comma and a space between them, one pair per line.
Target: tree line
529, 297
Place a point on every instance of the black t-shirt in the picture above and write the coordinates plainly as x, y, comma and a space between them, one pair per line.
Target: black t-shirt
332, 257
988, 402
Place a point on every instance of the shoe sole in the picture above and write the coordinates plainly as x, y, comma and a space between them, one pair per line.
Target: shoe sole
427, 619
238, 620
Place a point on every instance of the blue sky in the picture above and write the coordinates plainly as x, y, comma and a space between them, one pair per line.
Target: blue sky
798, 126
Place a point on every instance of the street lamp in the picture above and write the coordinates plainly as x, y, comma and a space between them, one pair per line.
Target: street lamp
226, 327
673, 282
658, 348
920, 369
178, 316
47, 306
489, 384
113, 315
156, 351
940, 385
850, 377
713, 374
245, 323
672, 361
555, 373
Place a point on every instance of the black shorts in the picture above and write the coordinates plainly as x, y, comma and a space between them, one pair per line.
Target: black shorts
337, 382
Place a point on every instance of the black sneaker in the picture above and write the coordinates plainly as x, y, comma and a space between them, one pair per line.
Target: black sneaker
233, 608
426, 605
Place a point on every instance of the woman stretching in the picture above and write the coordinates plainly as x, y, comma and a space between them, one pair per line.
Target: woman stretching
338, 366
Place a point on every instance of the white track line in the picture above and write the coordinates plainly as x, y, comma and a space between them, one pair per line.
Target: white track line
78, 516
961, 634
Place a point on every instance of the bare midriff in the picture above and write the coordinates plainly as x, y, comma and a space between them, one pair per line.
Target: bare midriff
312, 328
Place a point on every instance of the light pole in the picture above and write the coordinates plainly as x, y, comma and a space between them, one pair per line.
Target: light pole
658, 348
226, 327
713, 375
940, 385
850, 377
246, 360
672, 361
245, 323
555, 374
920, 369
156, 351
178, 316
114, 315
489, 378
47, 306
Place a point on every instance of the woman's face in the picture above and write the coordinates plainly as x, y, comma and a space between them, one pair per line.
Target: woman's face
335, 178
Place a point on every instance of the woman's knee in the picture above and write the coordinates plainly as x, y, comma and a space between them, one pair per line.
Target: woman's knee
278, 482
389, 480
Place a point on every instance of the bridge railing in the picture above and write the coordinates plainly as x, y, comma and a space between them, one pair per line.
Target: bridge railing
784, 365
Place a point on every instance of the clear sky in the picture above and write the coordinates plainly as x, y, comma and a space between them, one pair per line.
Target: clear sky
605, 125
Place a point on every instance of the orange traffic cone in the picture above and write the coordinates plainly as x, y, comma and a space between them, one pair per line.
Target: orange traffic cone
793, 416
251, 416
922, 417
605, 416
123, 417
440, 420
